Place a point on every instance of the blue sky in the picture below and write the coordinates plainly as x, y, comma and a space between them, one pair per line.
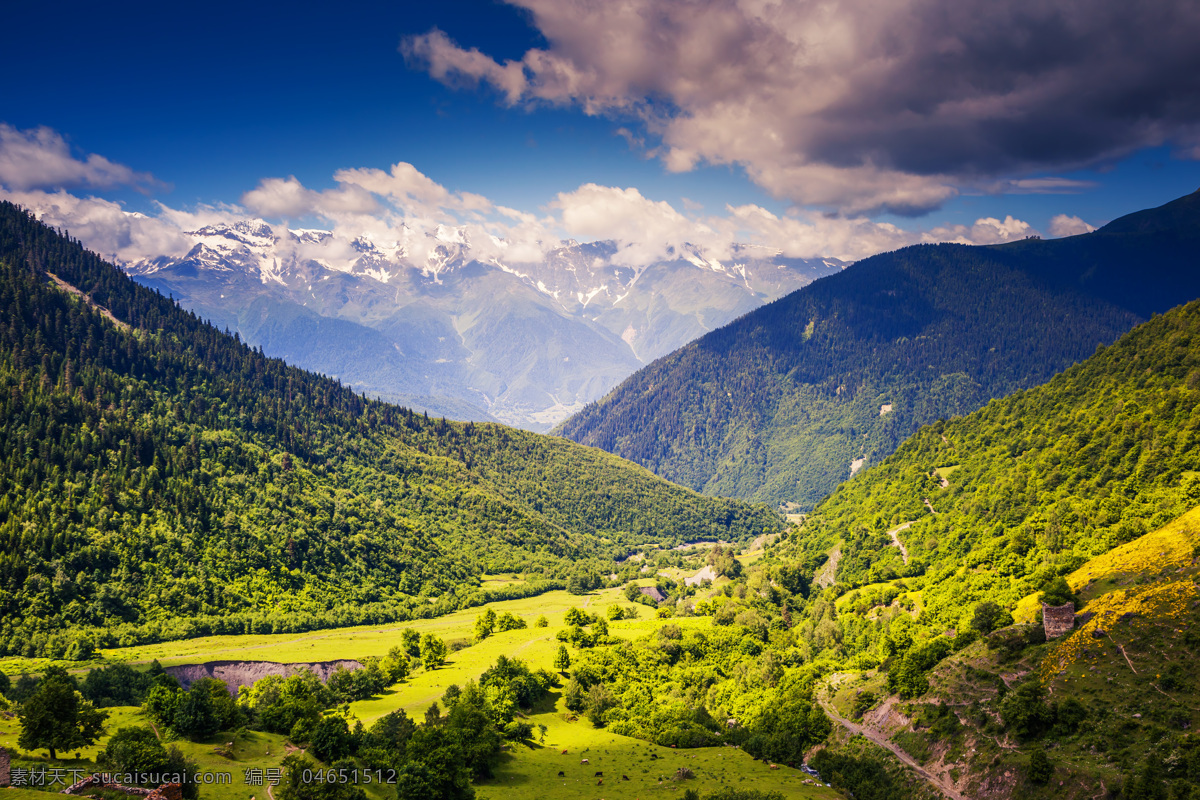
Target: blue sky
212, 99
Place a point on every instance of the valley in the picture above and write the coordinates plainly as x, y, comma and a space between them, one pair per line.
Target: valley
510, 596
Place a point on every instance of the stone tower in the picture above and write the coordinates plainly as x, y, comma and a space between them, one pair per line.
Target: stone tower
1058, 620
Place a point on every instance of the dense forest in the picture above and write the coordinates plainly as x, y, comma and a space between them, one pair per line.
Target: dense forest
1035, 484
160, 479
779, 405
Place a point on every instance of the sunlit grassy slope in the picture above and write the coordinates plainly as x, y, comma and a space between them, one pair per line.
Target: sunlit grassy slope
527, 772
1171, 547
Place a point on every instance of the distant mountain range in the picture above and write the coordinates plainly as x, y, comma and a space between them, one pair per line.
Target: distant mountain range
433, 328
790, 400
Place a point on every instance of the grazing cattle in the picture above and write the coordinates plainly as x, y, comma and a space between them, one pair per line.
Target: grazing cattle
564, 752
774, 766
624, 777
599, 774
600, 782
560, 773
584, 761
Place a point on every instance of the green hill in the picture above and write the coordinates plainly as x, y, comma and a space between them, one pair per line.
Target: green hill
1107, 709
1045, 479
159, 479
785, 403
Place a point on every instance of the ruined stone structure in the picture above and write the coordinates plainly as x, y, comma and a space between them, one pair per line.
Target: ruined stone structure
168, 791
5, 764
1058, 620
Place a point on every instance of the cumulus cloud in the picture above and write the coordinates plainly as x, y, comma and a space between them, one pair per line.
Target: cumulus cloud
402, 210
287, 197
645, 230
40, 158
106, 227
1064, 225
858, 105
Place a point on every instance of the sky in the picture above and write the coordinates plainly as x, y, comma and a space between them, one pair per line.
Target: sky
837, 128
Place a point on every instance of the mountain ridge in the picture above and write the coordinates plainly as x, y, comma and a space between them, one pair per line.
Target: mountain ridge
779, 404
425, 321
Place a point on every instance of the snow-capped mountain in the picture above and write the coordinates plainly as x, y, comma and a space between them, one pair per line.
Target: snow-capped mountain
425, 322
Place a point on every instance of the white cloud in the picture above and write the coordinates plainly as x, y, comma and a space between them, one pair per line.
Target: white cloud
1064, 225
404, 210
104, 226
646, 230
287, 197
860, 105
40, 158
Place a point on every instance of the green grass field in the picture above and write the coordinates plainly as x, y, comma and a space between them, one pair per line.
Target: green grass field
528, 772
531, 771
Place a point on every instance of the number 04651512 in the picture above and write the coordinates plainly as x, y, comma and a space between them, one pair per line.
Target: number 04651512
362, 776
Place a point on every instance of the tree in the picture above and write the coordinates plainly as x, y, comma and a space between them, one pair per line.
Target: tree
331, 739
295, 787
133, 749
562, 661
410, 640
56, 716
1041, 769
5, 685
396, 665
573, 695
435, 767
541, 621
509, 622
599, 700
485, 624
433, 651
1025, 711
195, 718
989, 617
162, 702
1058, 592
576, 617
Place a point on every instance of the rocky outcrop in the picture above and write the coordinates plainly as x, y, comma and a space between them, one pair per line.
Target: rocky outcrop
237, 674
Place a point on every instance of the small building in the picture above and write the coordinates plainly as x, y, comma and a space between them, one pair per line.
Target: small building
653, 593
1058, 620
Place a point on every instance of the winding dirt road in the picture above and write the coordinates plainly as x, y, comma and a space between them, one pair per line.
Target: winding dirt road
883, 741
896, 539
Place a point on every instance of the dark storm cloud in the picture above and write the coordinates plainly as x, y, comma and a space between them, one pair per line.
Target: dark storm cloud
864, 105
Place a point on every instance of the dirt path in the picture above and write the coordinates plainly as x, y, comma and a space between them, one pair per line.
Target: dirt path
930, 506
896, 539
883, 741
104, 312
827, 574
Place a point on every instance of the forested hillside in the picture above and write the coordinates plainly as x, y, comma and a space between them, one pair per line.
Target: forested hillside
781, 404
1035, 484
892, 606
161, 479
